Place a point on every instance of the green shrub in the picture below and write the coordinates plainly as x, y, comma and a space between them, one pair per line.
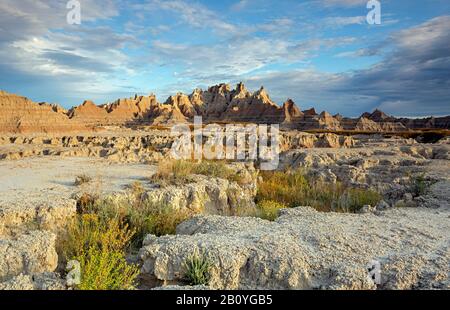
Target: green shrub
106, 270
89, 230
99, 246
354, 198
163, 220
294, 189
419, 186
268, 209
197, 268
142, 216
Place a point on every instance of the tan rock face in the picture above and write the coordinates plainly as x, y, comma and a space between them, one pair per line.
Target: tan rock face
292, 113
306, 249
219, 103
30, 253
365, 124
51, 216
21, 115
119, 112
124, 110
89, 113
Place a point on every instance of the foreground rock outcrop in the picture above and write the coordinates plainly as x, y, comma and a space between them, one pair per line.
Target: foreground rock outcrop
28, 233
305, 249
41, 281
44, 215
28, 254
206, 195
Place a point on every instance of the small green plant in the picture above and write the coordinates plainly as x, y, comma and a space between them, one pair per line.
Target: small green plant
268, 209
419, 186
82, 179
197, 268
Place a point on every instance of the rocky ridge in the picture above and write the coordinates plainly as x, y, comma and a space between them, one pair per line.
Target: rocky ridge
21, 115
219, 103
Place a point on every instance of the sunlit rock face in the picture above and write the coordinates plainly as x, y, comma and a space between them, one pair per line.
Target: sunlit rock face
220, 103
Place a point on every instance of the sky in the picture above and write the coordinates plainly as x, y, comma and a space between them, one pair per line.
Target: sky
320, 53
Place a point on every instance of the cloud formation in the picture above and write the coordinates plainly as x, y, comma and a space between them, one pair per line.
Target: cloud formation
317, 52
412, 79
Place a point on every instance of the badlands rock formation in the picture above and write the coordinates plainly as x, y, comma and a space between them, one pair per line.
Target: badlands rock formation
407, 233
135, 145
20, 115
206, 195
305, 249
218, 103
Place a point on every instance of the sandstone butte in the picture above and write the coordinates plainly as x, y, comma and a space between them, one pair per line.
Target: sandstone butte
219, 103
21, 115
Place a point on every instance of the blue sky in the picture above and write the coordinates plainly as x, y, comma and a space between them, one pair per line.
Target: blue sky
320, 53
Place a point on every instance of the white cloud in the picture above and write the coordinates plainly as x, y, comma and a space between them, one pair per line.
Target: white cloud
344, 21
239, 56
278, 25
344, 3
37, 44
240, 5
193, 14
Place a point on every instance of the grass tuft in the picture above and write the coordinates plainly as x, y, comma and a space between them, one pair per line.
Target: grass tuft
268, 209
197, 268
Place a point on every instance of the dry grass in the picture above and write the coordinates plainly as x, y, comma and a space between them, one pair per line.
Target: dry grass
294, 189
181, 171
140, 215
